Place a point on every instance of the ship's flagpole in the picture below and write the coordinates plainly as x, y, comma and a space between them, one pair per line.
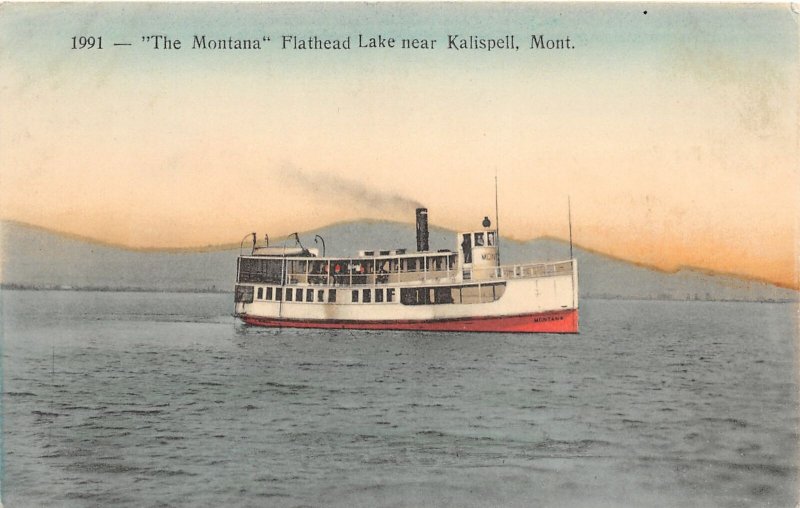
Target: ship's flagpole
496, 218
569, 214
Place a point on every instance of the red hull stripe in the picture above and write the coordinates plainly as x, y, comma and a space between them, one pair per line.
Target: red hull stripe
564, 321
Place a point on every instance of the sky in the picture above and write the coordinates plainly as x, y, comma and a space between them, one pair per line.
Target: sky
673, 133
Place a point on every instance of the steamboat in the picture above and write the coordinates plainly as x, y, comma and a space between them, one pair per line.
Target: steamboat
461, 290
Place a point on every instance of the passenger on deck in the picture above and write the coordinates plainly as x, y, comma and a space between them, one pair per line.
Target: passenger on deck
382, 277
317, 274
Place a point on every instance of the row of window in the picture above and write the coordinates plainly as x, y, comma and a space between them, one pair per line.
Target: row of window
296, 295
474, 293
278, 294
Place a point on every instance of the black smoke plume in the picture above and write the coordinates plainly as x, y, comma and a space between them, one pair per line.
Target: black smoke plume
333, 188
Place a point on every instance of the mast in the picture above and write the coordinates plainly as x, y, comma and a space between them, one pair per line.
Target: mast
569, 215
496, 219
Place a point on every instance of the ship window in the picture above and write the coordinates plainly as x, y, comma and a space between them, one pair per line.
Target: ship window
478, 239
278, 294
320, 295
288, 295
269, 294
297, 268
390, 294
367, 296
260, 293
244, 294
415, 296
484, 293
490, 237
309, 295
379, 296
331, 296
411, 265
466, 247
442, 295
470, 294
446, 295
298, 295
354, 297
260, 270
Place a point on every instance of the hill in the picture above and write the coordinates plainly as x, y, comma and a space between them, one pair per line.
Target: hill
35, 258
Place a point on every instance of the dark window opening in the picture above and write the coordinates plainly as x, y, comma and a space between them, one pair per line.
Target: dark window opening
244, 294
298, 295
367, 296
279, 294
260, 293
260, 270
414, 296
354, 296
309, 295
320, 295
466, 248
443, 295
390, 295
379, 296
331, 296
288, 295
269, 294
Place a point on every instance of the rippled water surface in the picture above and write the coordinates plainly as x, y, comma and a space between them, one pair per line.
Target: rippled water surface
140, 399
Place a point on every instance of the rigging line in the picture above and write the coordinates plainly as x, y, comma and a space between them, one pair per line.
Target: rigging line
569, 215
496, 219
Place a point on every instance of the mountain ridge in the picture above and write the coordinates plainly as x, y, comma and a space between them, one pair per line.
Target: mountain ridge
231, 246
28, 261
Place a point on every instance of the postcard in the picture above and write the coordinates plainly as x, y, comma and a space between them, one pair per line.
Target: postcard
399, 254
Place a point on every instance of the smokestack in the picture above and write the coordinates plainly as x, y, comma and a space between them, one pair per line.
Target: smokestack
422, 229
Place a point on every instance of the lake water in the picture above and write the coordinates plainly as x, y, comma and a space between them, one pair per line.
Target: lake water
150, 399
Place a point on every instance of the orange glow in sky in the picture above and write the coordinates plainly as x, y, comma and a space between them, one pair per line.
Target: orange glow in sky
676, 142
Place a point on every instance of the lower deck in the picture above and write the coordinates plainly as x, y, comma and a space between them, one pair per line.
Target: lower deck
415, 295
522, 304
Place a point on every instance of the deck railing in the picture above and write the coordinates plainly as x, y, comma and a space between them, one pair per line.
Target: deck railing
533, 270
505, 272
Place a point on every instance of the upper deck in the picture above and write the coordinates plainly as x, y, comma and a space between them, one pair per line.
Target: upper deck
362, 270
475, 259
429, 268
